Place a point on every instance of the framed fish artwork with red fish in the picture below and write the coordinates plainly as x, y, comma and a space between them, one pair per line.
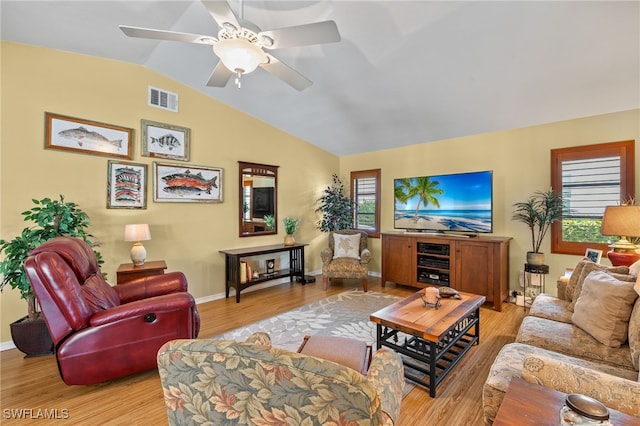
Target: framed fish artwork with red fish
180, 183
126, 185
165, 141
89, 137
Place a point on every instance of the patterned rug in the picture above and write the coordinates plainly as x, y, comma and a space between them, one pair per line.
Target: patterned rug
345, 314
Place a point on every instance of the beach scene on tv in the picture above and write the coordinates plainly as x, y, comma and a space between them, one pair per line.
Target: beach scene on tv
457, 202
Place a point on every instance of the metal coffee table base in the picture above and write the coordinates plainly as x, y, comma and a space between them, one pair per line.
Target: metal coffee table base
434, 359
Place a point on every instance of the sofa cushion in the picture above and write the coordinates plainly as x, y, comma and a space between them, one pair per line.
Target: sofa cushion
550, 307
582, 270
510, 363
604, 307
634, 334
571, 340
346, 246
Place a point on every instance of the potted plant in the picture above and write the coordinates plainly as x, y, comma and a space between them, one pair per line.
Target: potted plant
270, 222
53, 218
540, 210
290, 228
336, 208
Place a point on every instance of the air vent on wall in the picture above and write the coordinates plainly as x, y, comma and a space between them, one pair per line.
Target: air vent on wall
163, 99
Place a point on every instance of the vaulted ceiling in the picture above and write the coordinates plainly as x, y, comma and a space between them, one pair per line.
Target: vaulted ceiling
405, 72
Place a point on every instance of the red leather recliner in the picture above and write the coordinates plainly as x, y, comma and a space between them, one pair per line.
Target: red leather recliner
102, 332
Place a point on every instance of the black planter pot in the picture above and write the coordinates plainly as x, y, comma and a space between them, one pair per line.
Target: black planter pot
31, 337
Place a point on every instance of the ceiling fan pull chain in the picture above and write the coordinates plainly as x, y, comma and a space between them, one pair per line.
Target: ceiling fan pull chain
238, 76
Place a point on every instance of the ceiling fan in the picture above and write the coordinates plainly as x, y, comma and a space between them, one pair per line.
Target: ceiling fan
242, 46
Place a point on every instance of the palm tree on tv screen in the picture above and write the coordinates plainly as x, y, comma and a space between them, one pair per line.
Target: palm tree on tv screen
425, 188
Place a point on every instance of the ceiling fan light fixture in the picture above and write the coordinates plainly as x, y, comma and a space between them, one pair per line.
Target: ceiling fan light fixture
239, 55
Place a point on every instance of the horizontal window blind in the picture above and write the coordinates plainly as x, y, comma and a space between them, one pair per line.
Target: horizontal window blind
589, 185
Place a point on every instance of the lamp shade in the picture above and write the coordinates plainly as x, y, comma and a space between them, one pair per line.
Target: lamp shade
137, 232
621, 221
239, 55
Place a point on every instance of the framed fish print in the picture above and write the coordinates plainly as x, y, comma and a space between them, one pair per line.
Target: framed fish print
89, 137
165, 141
178, 183
126, 185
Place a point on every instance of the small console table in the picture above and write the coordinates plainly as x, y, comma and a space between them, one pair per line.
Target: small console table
234, 256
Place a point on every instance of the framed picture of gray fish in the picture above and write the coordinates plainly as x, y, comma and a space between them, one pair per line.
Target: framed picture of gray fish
126, 185
178, 183
89, 137
165, 141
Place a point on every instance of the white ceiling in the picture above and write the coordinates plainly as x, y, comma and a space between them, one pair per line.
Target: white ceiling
405, 72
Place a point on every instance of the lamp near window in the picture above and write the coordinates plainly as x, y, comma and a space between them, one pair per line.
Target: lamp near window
623, 222
137, 232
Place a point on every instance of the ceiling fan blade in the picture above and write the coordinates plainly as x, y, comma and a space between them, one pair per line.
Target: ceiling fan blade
302, 35
220, 76
221, 12
285, 73
166, 35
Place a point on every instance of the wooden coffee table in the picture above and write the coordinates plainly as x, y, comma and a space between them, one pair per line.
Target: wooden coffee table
529, 404
433, 340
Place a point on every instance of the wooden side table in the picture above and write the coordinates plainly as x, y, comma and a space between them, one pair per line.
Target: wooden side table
528, 404
128, 271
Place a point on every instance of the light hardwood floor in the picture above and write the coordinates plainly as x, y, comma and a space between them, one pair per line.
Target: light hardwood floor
34, 383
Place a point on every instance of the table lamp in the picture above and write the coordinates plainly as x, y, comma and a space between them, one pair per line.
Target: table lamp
137, 232
623, 222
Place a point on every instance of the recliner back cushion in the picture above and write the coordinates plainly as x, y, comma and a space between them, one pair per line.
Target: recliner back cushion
98, 294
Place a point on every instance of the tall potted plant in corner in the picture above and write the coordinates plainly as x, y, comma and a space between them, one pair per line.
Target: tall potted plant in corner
53, 218
336, 208
540, 210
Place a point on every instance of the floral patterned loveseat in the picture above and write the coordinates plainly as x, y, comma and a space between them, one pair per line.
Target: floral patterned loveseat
221, 382
556, 347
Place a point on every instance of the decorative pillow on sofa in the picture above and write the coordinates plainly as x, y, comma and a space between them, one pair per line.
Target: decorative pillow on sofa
583, 269
346, 246
604, 307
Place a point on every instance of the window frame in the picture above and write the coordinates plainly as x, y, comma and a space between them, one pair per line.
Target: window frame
367, 174
625, 150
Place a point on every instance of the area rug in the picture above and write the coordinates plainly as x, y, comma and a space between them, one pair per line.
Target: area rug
345, 314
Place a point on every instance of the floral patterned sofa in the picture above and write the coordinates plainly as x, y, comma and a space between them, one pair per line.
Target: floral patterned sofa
566, 343
221, 382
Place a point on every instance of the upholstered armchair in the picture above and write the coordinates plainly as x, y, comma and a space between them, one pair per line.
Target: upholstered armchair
218, 382
102, 332
346, 257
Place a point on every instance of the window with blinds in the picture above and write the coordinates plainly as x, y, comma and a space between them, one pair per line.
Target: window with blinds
365, 193
589, 178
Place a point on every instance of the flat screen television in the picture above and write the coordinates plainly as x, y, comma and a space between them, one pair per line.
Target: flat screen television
461, 202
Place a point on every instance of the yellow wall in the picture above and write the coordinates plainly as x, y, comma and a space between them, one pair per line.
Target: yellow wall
187, 236
520, 160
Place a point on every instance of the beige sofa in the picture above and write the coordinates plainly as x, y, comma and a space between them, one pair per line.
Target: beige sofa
586, 340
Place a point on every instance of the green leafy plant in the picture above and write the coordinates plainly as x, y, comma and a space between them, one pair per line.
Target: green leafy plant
270, 222
336, 208
53, 218
540, 210
290, 225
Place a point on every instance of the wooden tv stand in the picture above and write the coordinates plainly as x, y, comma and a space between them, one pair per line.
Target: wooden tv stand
477, 265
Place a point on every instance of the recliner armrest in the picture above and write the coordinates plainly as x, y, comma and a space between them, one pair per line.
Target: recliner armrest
154, 305
614, 392
386, 374
152, 286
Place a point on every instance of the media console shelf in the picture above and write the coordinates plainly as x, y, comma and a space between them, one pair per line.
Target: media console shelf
473, 265
233, 259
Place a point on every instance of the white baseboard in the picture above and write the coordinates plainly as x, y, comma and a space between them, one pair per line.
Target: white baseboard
5, 346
